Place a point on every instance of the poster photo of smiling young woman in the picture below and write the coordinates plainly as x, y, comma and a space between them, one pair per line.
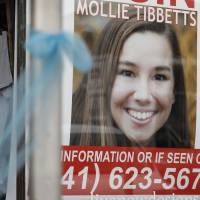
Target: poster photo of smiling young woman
141, 90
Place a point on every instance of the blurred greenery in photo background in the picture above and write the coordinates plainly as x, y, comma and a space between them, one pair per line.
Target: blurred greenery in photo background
89, 27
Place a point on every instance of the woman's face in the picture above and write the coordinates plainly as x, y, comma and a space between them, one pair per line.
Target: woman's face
142, 93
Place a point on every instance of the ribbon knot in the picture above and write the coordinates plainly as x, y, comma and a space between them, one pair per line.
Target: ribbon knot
49, 47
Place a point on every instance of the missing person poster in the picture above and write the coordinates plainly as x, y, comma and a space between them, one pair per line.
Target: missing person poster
134, 131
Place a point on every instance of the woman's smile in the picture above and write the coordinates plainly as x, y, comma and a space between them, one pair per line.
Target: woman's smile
140, 116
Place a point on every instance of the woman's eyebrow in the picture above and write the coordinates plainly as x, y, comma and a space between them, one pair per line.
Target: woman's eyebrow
127, 63
163, 68
157, 68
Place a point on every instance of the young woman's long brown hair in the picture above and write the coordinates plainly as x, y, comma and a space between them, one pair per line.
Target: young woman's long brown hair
92, 123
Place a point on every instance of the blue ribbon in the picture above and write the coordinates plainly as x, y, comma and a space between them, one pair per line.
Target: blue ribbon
48, 47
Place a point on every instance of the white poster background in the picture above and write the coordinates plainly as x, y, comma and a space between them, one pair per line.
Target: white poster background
68, 25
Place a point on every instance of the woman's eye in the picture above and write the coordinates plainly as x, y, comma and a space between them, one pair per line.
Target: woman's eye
127, 73
160, 77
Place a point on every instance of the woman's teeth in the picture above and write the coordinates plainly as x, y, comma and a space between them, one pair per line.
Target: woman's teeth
140, 115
